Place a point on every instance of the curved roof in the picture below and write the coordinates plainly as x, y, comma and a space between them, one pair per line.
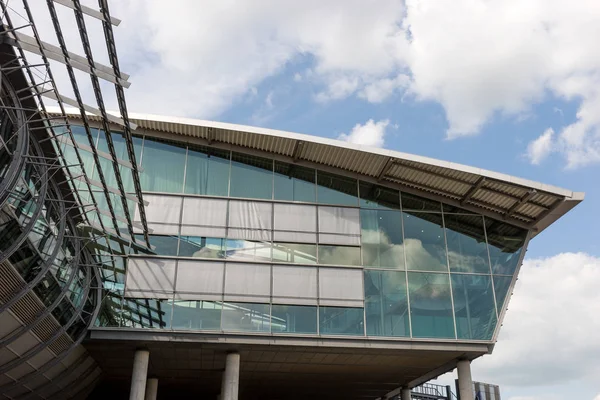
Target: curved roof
521, 202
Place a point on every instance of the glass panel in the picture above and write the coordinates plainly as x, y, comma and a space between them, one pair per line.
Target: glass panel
207, 171
294, 183
430, 305
339, 255
196, 315
505, 244
250, 317
381, 238
206, 247
501, 286
121, 152
417, 203
474, 306
294, 319
163, 165
424, 242
341, 321
375, 196
386, 303
248, 250
336, 189
146, 313
251, 177
295, 253
467, 248
163, 245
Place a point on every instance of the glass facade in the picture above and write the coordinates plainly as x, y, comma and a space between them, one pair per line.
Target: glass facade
276, 247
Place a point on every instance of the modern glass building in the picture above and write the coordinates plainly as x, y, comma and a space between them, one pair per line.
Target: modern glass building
145, 257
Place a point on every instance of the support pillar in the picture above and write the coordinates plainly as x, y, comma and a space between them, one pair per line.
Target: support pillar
138, 376
230, 382
465, 382
405, 394
151, 389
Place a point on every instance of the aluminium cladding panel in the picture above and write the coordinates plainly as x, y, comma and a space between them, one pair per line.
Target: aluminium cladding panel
245, 282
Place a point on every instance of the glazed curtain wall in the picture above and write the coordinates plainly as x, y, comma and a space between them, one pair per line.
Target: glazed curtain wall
428, 270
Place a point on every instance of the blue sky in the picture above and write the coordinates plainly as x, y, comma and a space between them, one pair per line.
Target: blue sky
507, 85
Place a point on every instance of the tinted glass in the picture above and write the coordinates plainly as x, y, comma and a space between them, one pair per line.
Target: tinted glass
294, 319
339, 255
501, 286
146, 313
295, 253
424, 242
251, 177
505, 244
386, 303
381, 238
250, 317
294, 183
163, 165
163, 245
417, 203
196, 315
430, 305
474, 306
248, 250
120, 147
207, 171
205, 247
341, 321
375, 196
467, 248
336, 189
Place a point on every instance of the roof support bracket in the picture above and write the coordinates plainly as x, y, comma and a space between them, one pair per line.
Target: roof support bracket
386, 168
471, 192
297, 150
520, 202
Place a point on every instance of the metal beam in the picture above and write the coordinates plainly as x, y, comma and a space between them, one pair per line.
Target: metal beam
298, 146
520, 202
88, 11
386, 168
472, 191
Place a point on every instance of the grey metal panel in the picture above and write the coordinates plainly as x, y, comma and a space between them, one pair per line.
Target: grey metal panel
150, 274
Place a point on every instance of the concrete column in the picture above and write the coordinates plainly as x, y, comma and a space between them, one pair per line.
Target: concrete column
405, 394
230, 382
138, 377
465, 382
151, 389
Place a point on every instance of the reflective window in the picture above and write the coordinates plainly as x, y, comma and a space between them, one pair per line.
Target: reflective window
467, 248
163, 165
501, 287
474, 306
417, 203
505, 244
120, 146
249, 317
341, 321
248, 250
386, 303
336, 189
293, 319
375, 196
251, 177
294, 183
298, 253
146, 313
205, 247
381, 238
196, 315
163, 245
424, 242
339, 255
430, 305
207, 171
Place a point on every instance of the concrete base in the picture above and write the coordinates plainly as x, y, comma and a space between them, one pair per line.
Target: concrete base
231, 377
138, 376
465, 382
405, 394
151, 389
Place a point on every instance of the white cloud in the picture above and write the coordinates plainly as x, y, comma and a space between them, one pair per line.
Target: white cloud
541, 147
370, 134
382, 89
550, 330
